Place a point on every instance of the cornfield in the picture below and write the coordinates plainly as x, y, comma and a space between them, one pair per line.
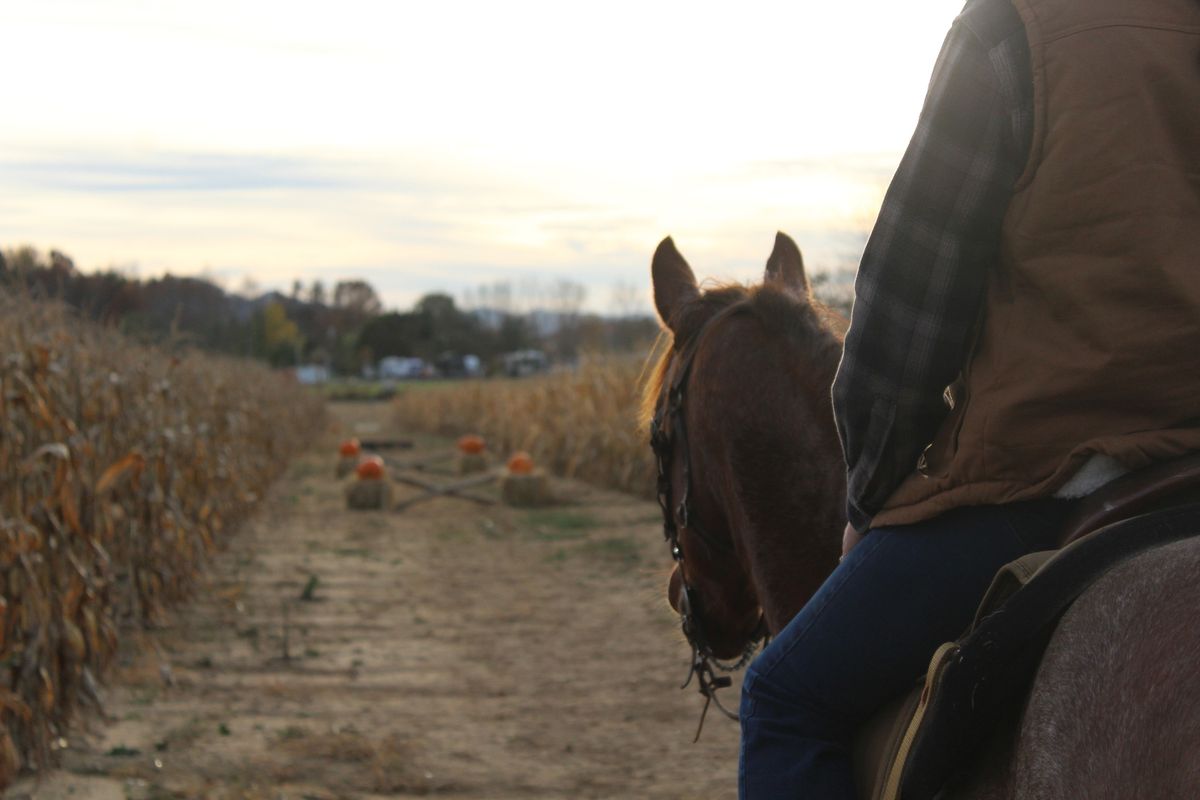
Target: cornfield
122, 467
579, 424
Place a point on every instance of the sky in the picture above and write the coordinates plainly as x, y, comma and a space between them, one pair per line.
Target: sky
445, 145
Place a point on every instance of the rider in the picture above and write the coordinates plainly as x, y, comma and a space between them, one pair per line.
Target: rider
1038, 253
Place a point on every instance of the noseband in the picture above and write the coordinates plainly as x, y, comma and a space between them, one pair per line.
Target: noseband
668, 428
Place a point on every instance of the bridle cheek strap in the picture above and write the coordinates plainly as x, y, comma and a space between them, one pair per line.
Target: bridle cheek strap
667, 429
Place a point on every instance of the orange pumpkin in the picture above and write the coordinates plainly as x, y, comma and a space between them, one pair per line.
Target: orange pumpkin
521, 463
350, 448
472, 445
370, 469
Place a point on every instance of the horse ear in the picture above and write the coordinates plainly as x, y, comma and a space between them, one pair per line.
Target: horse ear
674, 281
785, 267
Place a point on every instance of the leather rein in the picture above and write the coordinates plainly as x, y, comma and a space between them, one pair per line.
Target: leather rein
668, 428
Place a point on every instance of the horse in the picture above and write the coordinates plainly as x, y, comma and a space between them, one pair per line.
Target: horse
752, 487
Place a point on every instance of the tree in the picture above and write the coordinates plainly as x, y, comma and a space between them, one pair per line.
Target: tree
316, 295
281, 337
626, 300
514, 334
388, 335
357, 297
435, 327
497, 297
249, 288
60, 263
566, 299
23, 261
437, 306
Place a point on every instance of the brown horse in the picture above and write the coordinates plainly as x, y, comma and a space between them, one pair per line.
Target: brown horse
753, 489
765, 463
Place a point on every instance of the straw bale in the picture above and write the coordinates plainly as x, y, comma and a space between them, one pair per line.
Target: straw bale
368, 495
472, 463
526, 491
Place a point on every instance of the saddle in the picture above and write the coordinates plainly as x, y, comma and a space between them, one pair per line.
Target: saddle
915, 746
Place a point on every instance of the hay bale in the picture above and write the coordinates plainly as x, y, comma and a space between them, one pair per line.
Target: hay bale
526, 491
346, 465
472, 463
368, 495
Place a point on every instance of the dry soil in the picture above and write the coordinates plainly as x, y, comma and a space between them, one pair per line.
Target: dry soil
453, 650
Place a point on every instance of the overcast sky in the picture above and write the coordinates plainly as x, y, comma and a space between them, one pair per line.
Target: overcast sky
441, 145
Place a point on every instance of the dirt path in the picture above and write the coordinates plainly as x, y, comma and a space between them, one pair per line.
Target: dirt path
451, 650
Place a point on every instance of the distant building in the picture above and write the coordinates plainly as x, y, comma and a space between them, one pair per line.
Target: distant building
310, 374
398, 367
453, 365
522, 363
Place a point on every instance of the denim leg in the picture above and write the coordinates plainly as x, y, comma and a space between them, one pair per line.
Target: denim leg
867, 635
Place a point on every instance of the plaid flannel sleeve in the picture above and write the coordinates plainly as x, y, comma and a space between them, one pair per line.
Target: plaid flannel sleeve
920, 285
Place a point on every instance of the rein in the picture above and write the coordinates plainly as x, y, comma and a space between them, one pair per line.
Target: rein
668, 428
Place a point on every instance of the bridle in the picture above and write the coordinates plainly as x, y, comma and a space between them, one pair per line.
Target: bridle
667, 429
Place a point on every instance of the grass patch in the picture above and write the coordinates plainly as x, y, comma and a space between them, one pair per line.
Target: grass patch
349, 390
557, 526
309, 592
353, 552
411, 387
121, 751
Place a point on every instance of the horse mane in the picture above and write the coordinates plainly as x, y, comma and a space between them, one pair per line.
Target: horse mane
802, 319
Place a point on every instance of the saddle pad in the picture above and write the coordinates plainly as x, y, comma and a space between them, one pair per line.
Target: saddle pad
973, 682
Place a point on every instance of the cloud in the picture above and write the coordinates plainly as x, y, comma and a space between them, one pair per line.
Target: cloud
124, 169
108, 173
413, 223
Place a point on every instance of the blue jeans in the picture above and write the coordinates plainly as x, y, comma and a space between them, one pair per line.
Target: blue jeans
866, 636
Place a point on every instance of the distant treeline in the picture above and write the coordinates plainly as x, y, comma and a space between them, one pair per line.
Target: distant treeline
345, 329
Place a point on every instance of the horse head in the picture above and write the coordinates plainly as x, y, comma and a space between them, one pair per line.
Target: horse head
750, 477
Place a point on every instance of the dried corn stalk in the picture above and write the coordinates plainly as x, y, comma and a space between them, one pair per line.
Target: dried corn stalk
120, 467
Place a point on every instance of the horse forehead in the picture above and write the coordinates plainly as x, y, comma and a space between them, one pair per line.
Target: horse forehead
724, 351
